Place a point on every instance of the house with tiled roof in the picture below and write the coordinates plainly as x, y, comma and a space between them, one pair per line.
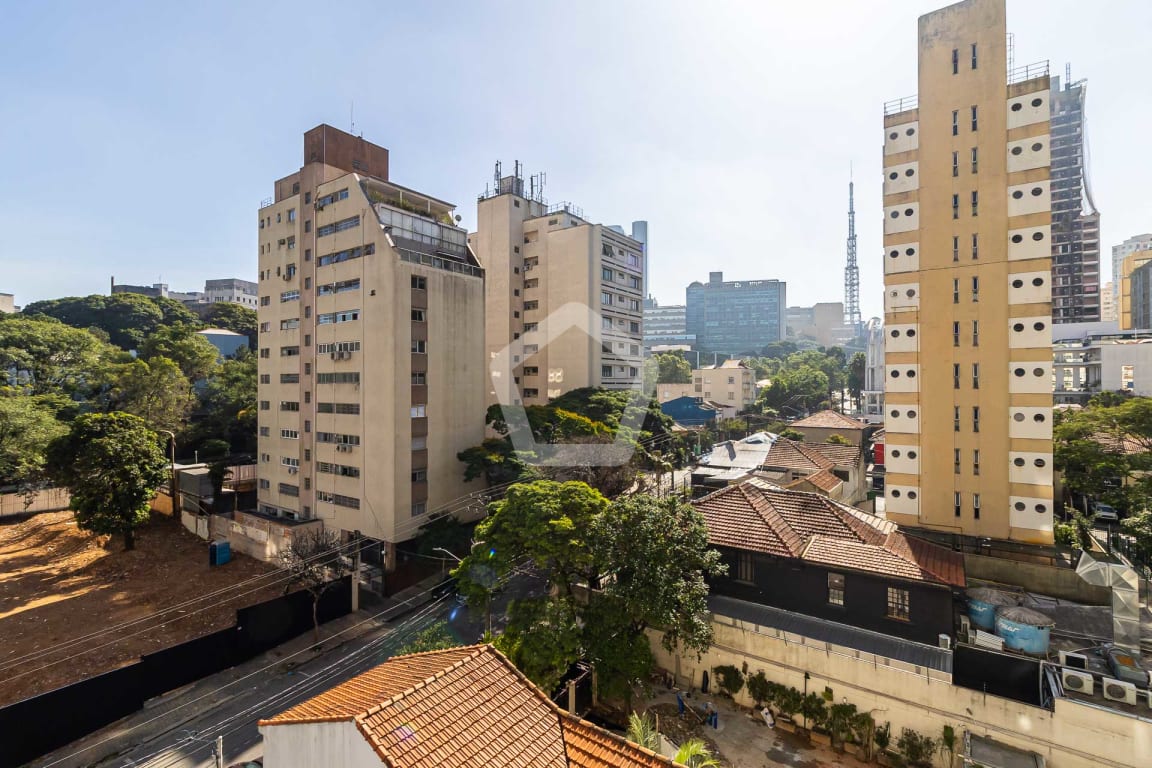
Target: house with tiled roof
806, 553
833, 470
821, 425
455, 708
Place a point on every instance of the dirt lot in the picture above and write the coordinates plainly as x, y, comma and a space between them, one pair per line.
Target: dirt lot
58, 584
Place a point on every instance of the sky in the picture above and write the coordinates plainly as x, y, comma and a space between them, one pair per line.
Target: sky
140, 137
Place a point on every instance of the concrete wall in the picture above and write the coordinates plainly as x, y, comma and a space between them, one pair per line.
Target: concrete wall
1074, 736
304, 745
1045, 579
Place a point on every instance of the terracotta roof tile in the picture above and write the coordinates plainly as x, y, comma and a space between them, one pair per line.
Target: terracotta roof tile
830, 420
464, 707
840, 455
824, 480
759, 517
790, 454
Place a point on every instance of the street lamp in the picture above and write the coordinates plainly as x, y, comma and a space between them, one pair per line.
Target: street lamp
488, 596
172, 469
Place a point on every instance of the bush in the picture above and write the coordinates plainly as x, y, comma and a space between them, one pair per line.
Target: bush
883, 736
788, 701
1065, 534
916, 748
730, 679
814, 710
759, 688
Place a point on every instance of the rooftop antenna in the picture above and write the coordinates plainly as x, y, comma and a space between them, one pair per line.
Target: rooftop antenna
851, 269
352, 117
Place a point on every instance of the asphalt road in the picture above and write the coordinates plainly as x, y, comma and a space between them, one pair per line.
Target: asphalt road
272, 692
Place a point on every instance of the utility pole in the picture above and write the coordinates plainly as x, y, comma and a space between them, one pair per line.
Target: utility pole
219, 752
356, 572
172, 471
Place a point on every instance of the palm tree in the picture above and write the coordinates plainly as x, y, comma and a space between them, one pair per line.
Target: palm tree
642, 731
694, 754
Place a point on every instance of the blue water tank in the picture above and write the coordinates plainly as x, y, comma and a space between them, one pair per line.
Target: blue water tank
982, 605
219, 552
1024, 630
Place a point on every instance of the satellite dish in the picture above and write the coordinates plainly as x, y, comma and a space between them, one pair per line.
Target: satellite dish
458, 218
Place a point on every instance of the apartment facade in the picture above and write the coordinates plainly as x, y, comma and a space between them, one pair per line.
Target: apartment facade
1075, 220
7, 303
1129, 266
1108, 303
822, 323
1135, 243
1140, 309
968, 268
665, 326
736, 316
371, 345
232, 291
872, 408
1096, 357
549, 274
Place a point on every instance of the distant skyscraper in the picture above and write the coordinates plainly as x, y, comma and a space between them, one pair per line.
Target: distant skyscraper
1075, 220
1129, 246
738, 316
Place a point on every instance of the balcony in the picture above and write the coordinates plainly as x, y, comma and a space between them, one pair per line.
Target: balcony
904, 104
1028, 72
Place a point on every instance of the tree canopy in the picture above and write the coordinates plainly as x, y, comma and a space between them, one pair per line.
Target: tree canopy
27, 425
112, 464
127, 318
45, 356
1105, 451
234, 317
196, 356
156, 391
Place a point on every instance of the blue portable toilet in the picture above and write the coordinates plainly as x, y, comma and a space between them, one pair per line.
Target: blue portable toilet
219, 552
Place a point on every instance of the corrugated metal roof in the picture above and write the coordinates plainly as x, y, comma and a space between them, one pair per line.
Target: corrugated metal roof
886, 646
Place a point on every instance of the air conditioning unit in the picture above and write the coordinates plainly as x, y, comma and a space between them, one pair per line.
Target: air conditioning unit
1119, 690
292, 470
341, 356
1080, 682
283, 240
945, 641
332, 355
1076, 660
988, 640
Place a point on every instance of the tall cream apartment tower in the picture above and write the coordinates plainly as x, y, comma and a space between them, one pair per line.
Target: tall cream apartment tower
967, 235
371, 345
539, 260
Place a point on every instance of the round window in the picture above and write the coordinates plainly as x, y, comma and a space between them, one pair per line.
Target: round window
1020, 506
1037, 191
1038, 418
1018, 327
1019, 371
1041, 508
1017, 150
911, 374
1018, 462
895, 334
911, 414
1017, 107
1037, 147
893, 175
1018, 417
1037, 102
1039, 462
911, 332
908, 211
895, 374
910, 252
1017, 195
1037, 371
893, 135
911, 494
1038, 326
895, 214
895, 493
894, 254
895, 454
1017, 238
911, 292
1037, 281
1037, 236
910, 131
895, 414
911, 454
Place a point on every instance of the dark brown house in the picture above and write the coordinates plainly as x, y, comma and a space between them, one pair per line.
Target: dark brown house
807, 553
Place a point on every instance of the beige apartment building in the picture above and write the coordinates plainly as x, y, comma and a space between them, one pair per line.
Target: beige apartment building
731, 383
371, 345
1129, 264
967, 235
563, 296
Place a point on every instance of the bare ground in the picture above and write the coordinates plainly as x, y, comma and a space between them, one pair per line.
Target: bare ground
59, 584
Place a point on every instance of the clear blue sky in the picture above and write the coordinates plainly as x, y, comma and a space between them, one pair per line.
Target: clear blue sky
139, 138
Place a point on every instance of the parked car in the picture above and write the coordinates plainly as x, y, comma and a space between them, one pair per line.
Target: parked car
1105, 513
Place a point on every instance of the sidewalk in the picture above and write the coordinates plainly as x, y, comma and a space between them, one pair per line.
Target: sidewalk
172, 710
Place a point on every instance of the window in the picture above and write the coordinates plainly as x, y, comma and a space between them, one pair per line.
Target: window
289, 405
976, 461
292, 243
265, 432
956, 504
606, 274
533, 304
973, 117
975, 246
418, 411
420, 507
289, 351
288, 325
836, 589
418, 316
343, 470
288, 461
337, 317
973, 55
265, 301
350, 377
605, 298
289, 378
265, 378
332, 198
956, 461
419, 347
419, 379
265, 405
308, 225
264, 484
290, 434
955, 418
955, 122
307, 254
347, 255
955, 61
975, 159
419, 443
337, 346
419, 283
337, 439
975, 291
955, 248
955, 290
419, 475
339, 226
745, 568
342, 286
605, 371
955, 375
955, 163
955, 206
287, 296
975, 418
975, 375
634, 327
976, 505
975, 203
897, 603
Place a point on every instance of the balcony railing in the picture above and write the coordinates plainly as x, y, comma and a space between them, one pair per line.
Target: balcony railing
1028, 72
905, 104
266, 202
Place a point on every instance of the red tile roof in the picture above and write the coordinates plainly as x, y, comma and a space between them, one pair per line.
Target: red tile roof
464, 707
822, 480
760, 517
830, 420
790, 454
841, 455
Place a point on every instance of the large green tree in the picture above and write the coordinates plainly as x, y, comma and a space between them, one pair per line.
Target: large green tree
156, 391
235, 318
127, 318
228, 404
196, 356
112, 464
1105, 451
175, 313
44, 356
27, 426
795, 389
672, 368
857, 373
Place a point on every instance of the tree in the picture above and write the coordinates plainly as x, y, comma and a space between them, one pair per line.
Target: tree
795, 389
1105, 451
112, 464
436, 637
175, 313
1139, 527
916, 748
840, 719
838, 439
857, 371
27, 426
235, 318
156, 391
672, 368
50, 357
496, 460
228, 403
642, 731
314, 560
127, 318
730, 679
694, 753
758, 687
195, 355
